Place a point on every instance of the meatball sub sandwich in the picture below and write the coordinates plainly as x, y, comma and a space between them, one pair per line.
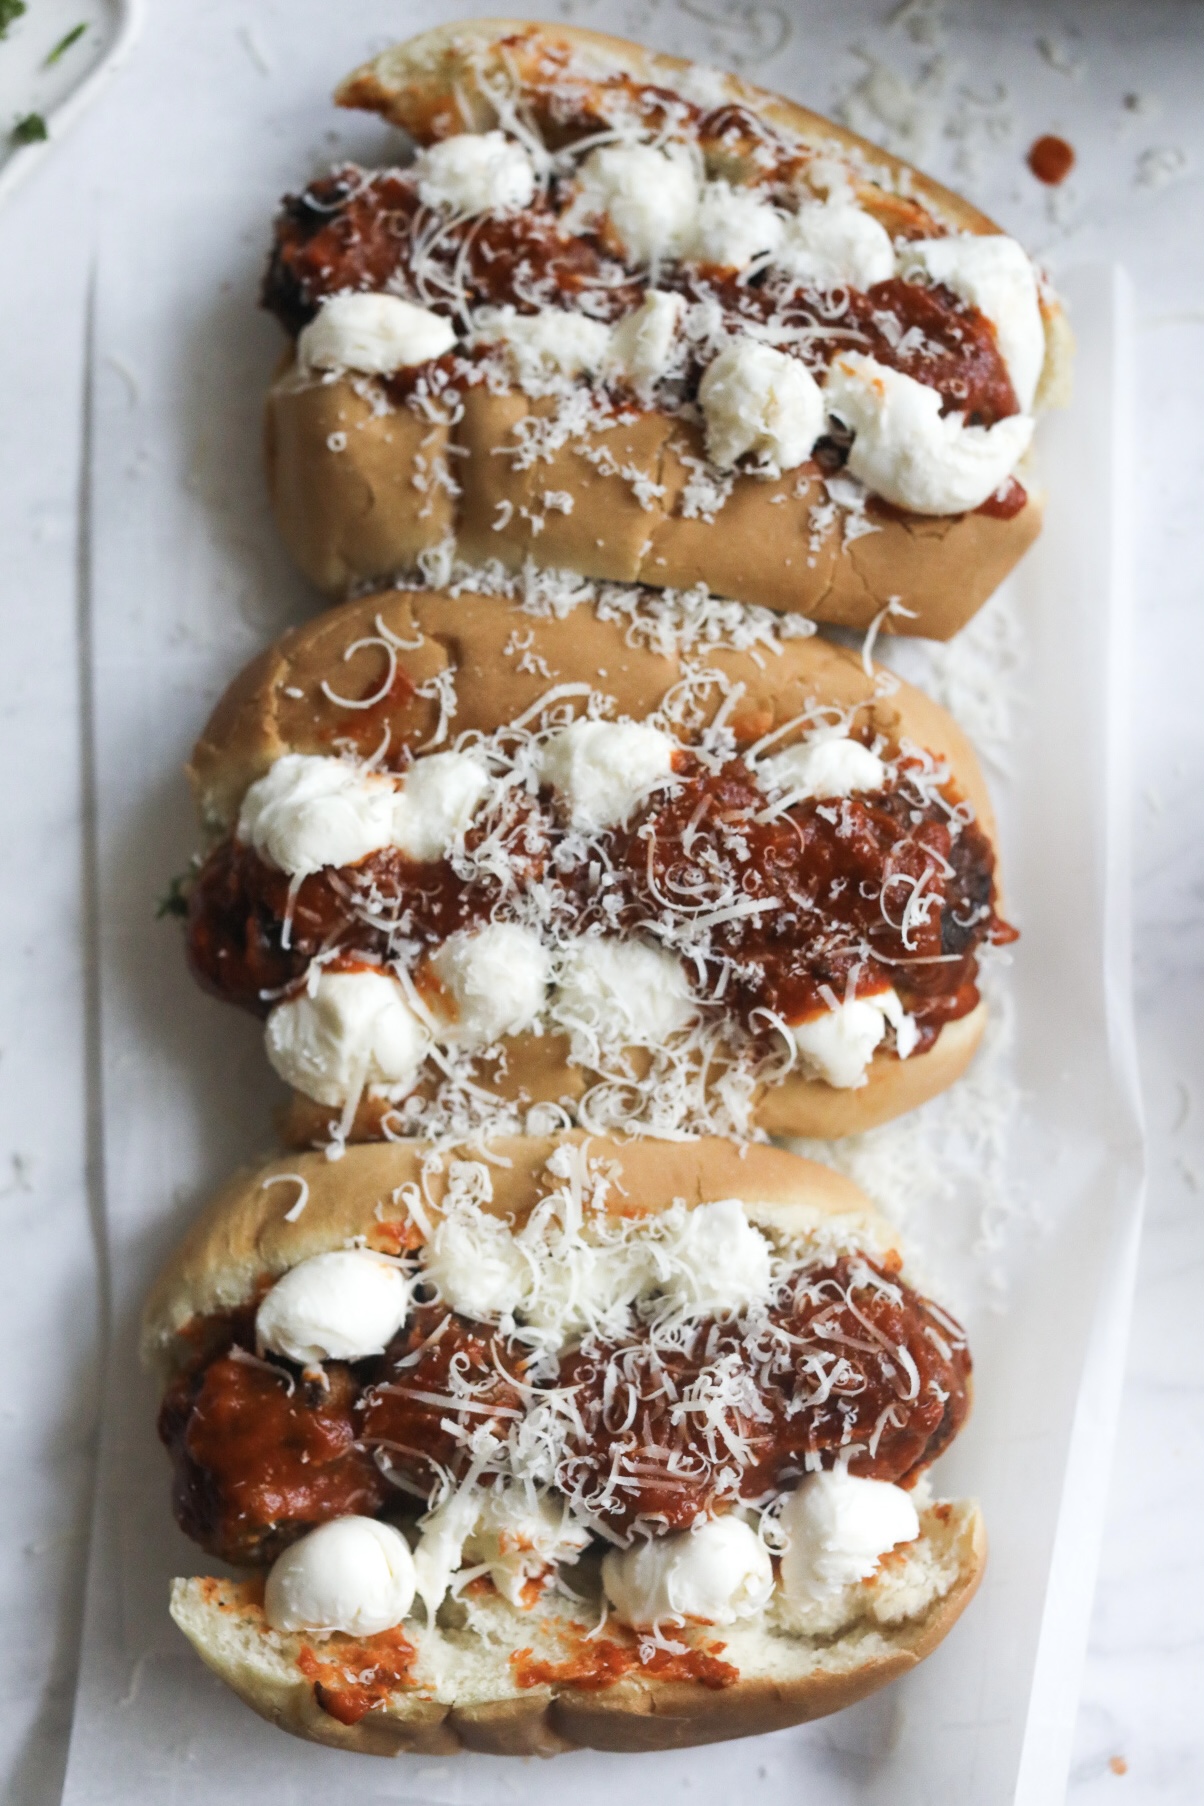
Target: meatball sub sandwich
582, 1443
643, 321
645, 863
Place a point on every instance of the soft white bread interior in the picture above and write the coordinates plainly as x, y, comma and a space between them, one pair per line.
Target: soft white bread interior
463, 1690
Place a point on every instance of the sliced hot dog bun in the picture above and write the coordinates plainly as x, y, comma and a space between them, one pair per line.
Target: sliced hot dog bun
245, 1238
340, 475
350, 481
436, 85
488, 1676
277, 704
282, 704
463, 1694
538, 1070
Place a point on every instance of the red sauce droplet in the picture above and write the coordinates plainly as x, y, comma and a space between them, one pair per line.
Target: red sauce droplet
1006, 502
1051, 159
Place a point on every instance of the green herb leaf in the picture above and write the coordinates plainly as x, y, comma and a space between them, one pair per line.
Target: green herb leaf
174, 901
10, 12
30, 130
64, 44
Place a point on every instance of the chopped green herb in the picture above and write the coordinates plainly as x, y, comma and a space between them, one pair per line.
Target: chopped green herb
30, 130
10, 12
64, 44
174, 901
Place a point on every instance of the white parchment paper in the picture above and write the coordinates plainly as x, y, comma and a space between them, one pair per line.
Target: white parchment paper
1029, 1226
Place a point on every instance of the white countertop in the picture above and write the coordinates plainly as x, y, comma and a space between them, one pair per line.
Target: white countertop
977, 85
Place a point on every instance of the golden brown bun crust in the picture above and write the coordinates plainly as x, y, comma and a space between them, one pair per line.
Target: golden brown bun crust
892, 1087
421, 86
633, 1715
537, 1070
277, 705
352, 515
243, 1237
344, 517
652, 1715
356, 514
532, 1069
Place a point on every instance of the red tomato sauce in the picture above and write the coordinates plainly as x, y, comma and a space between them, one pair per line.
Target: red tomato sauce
894, 1388
357, 230
1051, 159
871, 891
592, 1667
262, 1454
353, 1675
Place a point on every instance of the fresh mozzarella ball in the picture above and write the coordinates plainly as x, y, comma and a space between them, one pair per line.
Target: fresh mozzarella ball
650, 197
475, 1264
310, 812
755, 399
826, 767
718, 1573
353, 1574
615, 993
342, 1306
475, 172
603, 769
831, 244
498, 977
732, 227
519, 1539
355, 1029
546, 348
840, 1527
720, 1264
641, 345
838, 1044
994, 275
911, 454
373, 333
437, 802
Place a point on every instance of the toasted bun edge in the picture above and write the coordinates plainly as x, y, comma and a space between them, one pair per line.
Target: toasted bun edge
636, 1714
260, 717
243, 1238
